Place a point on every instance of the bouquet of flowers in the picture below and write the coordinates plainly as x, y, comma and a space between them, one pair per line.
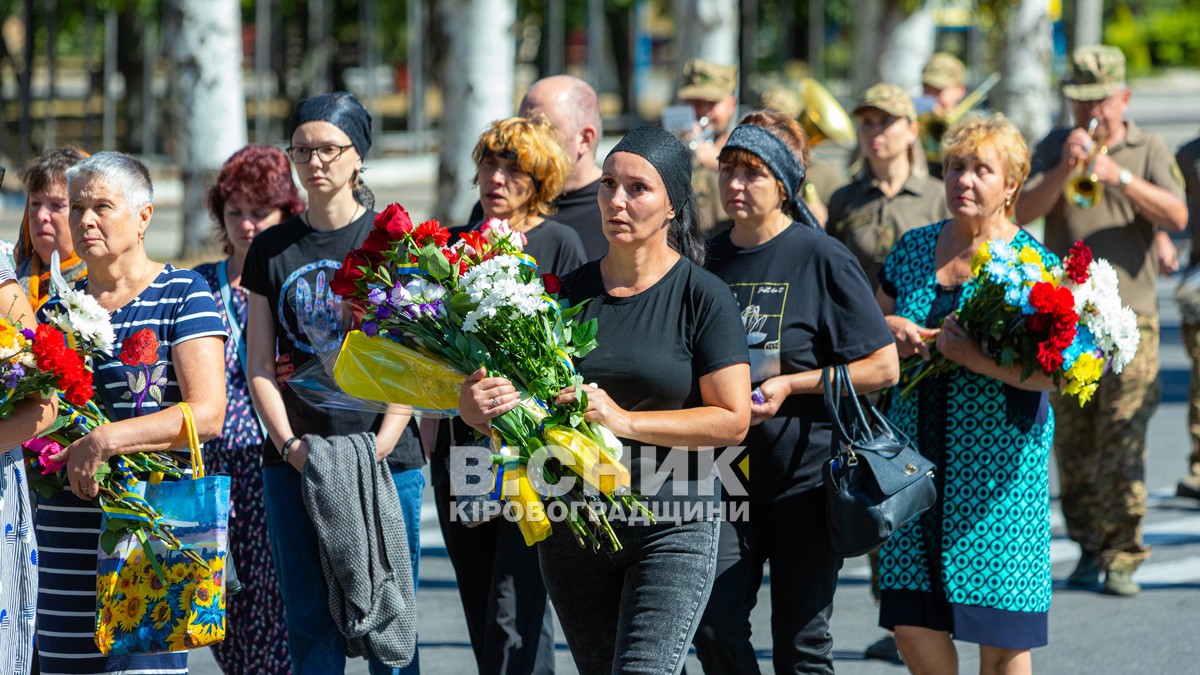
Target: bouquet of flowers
57, 356
434, 312
1066, 320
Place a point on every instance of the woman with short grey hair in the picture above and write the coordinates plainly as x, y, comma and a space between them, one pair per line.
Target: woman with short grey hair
164, 318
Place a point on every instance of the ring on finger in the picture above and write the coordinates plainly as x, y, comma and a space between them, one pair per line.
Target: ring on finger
495, 402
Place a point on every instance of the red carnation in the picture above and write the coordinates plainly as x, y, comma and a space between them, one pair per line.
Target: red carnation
431, 232
451, 255
552, 283
475, 240
1078, 261
345, 280
395, 221
52, 355
1049, 358
140, 348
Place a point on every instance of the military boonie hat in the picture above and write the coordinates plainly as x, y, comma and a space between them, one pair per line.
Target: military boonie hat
943, 70
707, 81
1099, 70
889, 98
784, 99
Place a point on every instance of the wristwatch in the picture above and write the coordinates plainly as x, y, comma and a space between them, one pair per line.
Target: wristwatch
1125, 177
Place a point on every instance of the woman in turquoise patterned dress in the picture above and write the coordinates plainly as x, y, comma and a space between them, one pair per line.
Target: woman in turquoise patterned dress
976, 567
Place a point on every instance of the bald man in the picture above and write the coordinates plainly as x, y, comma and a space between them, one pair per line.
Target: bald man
574, 109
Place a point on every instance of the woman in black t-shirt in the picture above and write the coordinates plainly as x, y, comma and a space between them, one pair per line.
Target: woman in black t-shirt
806, 304
293, 309
520, 169
669, 372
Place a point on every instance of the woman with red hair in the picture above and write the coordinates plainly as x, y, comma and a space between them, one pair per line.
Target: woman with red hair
253, 192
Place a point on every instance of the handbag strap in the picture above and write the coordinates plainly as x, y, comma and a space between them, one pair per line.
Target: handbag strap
189, 426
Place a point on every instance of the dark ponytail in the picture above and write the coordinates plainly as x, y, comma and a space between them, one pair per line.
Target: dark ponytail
362, 193
683, 234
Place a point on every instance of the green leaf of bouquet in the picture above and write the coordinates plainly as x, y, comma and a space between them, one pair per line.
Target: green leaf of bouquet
461, 303
432, 260
584, 332
110, 538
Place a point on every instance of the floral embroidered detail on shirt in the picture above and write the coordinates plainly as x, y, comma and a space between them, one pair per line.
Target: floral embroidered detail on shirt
147, 376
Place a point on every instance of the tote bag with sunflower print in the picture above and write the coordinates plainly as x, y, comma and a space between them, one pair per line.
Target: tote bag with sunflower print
175, 601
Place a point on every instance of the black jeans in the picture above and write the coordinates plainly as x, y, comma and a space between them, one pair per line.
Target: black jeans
632, 611
793, 535
500, 585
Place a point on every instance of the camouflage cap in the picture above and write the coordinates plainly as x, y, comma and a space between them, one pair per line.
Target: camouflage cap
943, 70
707, 81
1099, 70
784, 99
889, 98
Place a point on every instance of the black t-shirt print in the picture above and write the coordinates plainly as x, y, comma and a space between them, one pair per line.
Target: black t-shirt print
805, 304
291, 265
653, 348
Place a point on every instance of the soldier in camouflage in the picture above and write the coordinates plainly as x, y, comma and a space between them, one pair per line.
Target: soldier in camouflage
711, 90
1188, 296
1101, 448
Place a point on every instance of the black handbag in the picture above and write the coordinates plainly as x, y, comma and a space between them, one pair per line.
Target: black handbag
876, 480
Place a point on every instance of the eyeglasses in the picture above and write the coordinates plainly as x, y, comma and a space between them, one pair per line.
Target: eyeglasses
301, 154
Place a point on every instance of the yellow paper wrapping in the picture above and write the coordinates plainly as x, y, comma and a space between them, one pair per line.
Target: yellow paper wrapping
587, 459
378, 369
534, 524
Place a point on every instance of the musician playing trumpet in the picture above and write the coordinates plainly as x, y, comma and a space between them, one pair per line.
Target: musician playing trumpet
1101, 448
711, 90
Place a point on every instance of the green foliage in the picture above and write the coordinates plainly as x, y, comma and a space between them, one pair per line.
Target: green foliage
1156, 37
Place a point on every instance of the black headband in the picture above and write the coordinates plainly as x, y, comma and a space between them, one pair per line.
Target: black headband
780, 159
341, 109
666, 154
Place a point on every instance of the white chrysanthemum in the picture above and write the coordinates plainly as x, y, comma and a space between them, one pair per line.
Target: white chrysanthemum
84, 315
495, 285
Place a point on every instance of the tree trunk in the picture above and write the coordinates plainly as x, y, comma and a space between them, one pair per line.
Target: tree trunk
1025, 90
894, 44
707, 29
207, 55
477, 77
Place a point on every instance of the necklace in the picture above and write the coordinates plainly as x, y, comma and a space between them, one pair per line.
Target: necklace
353, 217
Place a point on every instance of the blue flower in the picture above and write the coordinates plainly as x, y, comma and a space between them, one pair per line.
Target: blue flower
1070, 354
996, 271
370, 328
1031, 272
1013, 295
1002, 251
1085, 339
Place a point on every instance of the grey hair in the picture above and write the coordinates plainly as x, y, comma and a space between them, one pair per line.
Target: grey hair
119, 169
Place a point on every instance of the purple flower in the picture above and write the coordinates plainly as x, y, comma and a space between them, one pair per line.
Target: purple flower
377, 296
412, 311
370, 328
383, 312
15, 373
27, 333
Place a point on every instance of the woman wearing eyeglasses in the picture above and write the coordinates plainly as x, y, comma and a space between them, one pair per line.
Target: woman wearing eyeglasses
292, 309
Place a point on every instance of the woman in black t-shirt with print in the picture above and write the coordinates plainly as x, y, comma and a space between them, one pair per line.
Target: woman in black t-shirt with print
806, 304
670, 371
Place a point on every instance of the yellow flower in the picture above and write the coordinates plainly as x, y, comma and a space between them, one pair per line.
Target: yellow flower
105, 582
103, 637
179, 640
1086, 369
1029, 254
982, 257
161, 614
130, 613
127, 580
152, 588
178, 572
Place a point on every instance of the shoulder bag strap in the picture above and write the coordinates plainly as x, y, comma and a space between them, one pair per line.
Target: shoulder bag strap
235, 333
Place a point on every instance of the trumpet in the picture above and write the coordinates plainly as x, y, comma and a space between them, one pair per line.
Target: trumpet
932, 126
1084, 190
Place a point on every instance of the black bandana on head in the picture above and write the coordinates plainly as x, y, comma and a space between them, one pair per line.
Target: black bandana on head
666, 154
341, 109
780, 159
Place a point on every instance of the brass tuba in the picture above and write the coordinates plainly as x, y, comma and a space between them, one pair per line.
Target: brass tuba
1084, 189
823, 117
932, 126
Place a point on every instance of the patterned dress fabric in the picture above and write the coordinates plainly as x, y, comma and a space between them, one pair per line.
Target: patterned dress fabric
18, 567
984, 549
138, 380
256, 634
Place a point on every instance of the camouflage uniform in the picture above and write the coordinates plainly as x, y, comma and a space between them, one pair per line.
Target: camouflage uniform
1101, 448
943, 70
1188, 159
1101, 454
